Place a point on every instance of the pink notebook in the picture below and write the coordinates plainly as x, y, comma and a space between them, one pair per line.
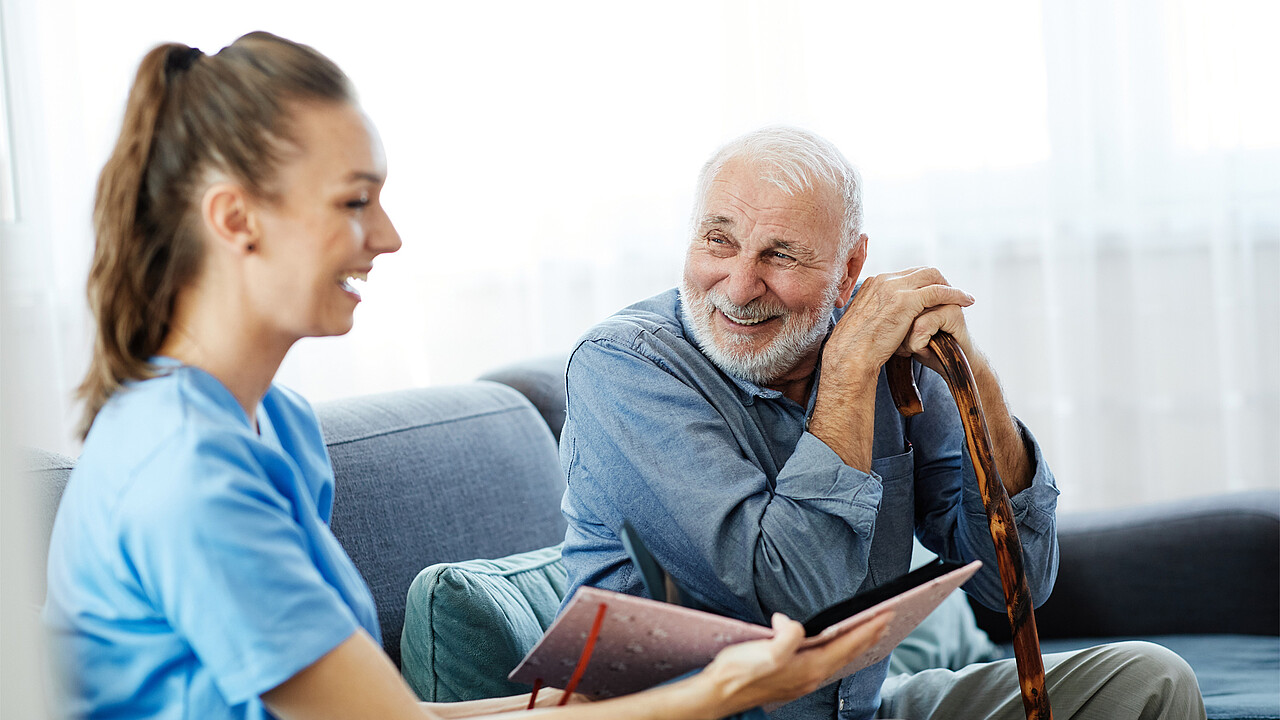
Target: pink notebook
644, 642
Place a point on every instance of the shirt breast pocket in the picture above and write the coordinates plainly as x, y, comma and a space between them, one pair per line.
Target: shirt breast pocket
894, 467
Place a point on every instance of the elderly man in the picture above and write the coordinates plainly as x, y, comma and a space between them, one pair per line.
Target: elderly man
744, 426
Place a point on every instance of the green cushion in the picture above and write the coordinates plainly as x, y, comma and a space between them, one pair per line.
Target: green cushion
948, 638
470, 623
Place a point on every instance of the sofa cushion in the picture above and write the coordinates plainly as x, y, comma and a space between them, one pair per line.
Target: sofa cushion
1239, 675
437, 475
468, 624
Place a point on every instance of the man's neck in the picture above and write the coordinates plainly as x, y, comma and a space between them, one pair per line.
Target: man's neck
797, 382
797, 390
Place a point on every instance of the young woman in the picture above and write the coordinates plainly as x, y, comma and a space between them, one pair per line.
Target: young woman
192, 572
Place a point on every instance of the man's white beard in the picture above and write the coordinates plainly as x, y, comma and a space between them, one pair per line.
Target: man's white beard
801, 335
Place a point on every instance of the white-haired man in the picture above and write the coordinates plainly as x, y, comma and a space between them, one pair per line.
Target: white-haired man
743, 425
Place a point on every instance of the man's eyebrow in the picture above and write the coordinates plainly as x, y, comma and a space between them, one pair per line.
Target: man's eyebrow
717, 221
801, 252
372, 177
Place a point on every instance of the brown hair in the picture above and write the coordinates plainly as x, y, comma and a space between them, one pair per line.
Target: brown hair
187, 115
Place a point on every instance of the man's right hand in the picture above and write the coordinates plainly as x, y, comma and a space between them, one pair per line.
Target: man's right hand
872, 330
880, 316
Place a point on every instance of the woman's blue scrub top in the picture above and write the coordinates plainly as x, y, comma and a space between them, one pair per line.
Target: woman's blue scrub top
192, 567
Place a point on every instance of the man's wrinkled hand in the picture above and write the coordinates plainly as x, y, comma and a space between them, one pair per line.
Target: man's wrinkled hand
897, 313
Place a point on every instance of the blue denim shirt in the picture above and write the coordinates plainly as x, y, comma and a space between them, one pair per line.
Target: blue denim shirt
748, 511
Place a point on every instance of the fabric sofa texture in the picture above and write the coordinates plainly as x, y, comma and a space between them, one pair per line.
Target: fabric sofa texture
438, 475
452, 474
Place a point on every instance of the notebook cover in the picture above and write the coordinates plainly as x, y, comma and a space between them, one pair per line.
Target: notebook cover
644, 642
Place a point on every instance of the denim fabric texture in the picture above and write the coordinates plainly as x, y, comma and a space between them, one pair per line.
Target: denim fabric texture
750, 512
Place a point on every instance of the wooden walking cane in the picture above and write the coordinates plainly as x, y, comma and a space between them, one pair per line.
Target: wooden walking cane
1022, 619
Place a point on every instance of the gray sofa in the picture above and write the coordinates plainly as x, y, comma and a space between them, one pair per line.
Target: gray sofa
435, 475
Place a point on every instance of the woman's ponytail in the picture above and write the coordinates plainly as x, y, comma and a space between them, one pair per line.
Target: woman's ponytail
123, 339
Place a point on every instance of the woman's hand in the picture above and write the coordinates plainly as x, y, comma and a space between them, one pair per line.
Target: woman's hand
774, 671
356, 680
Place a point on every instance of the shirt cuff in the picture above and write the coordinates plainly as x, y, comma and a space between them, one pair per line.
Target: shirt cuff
815, 475
1034, 507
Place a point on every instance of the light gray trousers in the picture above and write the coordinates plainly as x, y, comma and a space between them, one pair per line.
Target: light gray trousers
1122, 681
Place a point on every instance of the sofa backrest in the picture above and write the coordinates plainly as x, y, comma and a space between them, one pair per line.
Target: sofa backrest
1199, 565
542, 381
438, 475
1202, 565
423, 476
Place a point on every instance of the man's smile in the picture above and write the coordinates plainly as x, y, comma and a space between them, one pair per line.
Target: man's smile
746, 321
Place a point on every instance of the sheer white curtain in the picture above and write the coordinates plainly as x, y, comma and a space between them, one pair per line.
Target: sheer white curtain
1103, 176
1127, 281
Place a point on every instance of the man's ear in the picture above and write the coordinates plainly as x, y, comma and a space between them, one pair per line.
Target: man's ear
853, 268
228, 216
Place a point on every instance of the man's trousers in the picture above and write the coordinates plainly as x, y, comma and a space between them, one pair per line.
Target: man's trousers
1121, 681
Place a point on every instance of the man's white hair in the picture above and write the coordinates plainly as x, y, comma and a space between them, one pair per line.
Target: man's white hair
794, 160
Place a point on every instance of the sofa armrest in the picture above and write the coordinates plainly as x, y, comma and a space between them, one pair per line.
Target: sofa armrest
1204, 565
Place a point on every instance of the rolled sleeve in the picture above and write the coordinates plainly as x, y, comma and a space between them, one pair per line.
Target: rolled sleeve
953, 519
816, 475
1034, 514
1036, 506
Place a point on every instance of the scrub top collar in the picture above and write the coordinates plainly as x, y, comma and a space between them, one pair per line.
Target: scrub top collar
214, 388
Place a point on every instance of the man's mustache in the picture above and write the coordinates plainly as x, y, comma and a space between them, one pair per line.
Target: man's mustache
754, 310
